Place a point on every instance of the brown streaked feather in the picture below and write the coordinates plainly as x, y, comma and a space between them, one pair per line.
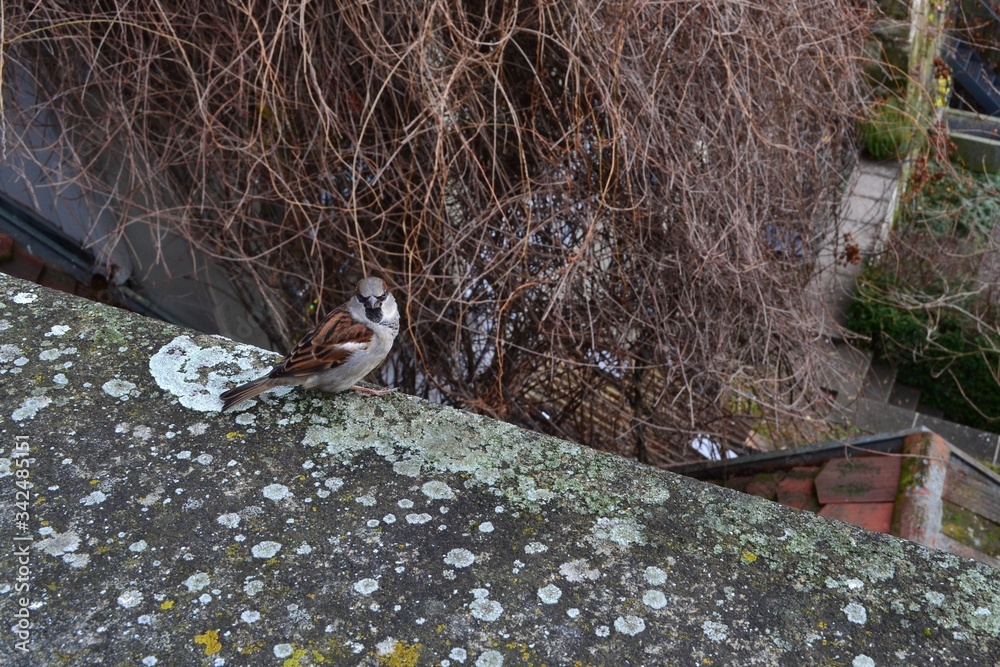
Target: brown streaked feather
244, 392
324, 347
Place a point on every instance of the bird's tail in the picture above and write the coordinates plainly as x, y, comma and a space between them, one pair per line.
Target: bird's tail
244, 392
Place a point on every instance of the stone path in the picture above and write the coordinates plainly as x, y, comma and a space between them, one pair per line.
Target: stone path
867, 395
867, 209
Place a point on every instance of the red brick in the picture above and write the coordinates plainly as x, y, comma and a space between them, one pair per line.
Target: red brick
797, 489
863, 479
23, 265
59, 280
873, 516
765, 485
6, 248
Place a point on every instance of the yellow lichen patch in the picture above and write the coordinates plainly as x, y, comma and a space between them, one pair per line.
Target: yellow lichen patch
522, 648
749, 556
166, 604
403, 655
293, 660
210, 638
233, 435
252, 648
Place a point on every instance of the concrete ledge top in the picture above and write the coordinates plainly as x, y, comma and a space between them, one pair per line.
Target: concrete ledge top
143, 527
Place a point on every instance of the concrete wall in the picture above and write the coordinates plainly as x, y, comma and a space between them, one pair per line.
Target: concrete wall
315, 529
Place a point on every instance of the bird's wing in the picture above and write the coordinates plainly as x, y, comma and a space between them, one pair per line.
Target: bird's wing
329, 345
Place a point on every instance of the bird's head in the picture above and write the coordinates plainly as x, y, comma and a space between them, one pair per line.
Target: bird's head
373, 294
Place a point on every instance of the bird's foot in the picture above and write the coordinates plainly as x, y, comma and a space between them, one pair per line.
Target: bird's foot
373, 392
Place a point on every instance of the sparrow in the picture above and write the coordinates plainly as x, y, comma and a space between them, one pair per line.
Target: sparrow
345, 346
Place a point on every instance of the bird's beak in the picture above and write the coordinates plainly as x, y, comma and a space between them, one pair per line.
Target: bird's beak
372, 303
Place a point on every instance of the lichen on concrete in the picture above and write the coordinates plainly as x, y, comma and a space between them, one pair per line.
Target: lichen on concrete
304, 528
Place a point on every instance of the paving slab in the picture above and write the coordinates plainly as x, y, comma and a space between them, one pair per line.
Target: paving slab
865, 212
874, 187
873, 417
904, 396
846, 372
879, 382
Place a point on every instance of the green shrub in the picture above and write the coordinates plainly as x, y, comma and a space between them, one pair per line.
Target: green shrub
936, 351
888, 130
953, 202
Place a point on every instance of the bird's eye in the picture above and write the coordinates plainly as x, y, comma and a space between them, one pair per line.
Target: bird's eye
380, 299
